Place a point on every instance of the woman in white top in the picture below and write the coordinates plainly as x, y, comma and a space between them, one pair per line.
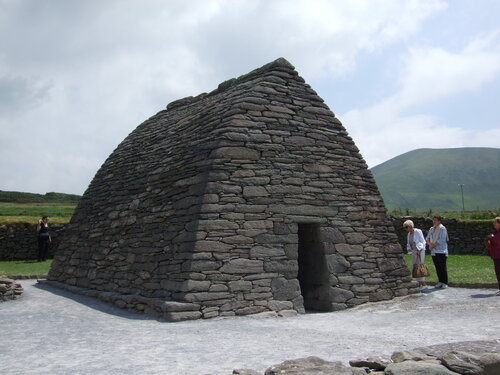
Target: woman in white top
416, 245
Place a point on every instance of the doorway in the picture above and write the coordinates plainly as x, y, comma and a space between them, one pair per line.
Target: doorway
313, 271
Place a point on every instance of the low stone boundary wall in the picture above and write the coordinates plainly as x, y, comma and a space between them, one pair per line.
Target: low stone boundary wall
464, 358
9, 289
466, 237
19, 241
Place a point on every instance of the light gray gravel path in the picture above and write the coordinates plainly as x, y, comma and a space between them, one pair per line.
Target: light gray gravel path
50, 331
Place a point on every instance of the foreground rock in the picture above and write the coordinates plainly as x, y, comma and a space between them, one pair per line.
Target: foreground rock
464, 358
313, 366
417, 368
9, 289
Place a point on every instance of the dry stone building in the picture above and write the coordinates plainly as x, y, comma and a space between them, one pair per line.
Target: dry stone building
248, 199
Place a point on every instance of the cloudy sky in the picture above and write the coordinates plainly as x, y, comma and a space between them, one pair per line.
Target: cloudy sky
77, 76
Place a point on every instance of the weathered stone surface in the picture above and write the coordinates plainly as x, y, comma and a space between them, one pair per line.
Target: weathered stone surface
281, 305
355, 238
490, 363
172, 306
184, 315
339, 295
285, 290
373, 363
312, 366
332, 235
266, 251
412, 355
245, 372
240, 285
10, 289
243, 266
472, 364
283, 266
236, 153
349, 250
255, 191
462, 363
336, 263
417, 368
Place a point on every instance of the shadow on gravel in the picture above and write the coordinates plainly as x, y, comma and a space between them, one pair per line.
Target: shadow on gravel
482, 295
94, 303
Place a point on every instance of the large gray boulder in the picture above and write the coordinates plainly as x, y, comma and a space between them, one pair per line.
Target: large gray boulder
417, 368
313, 366
470, 364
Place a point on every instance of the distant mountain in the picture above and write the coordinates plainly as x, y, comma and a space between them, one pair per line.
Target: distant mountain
19, 197
429, 179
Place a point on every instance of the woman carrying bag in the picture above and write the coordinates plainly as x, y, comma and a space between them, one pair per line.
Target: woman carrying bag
416, 245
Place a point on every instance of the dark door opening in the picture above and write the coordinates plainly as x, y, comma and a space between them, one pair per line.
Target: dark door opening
313, 270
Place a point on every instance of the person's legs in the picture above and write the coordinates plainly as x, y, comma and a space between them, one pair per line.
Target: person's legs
496, 262
40, 248
439, 261
45, 251
437, 267
445, 269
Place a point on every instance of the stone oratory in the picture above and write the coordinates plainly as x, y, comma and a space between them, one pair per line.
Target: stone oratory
249, 199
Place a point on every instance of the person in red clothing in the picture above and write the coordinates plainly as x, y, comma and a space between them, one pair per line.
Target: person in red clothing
493, 245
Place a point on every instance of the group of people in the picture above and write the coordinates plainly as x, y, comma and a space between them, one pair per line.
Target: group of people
437, 242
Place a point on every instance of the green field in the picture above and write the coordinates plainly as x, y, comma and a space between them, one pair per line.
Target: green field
24, 267
32, 212
17, 207
463, 269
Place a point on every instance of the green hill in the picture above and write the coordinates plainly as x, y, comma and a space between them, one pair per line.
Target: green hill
19, 197
426, 179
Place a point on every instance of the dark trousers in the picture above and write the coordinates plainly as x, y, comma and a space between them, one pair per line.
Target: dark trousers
440, 265
496, 262
43, 248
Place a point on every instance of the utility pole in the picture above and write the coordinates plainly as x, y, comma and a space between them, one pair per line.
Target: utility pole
463, 204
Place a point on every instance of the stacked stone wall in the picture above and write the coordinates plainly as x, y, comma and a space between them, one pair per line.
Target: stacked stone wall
19, 241
197, 212
9, 289
466, 237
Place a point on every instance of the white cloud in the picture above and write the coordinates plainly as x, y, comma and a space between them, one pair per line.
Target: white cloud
385, 130
101, 68
433, 73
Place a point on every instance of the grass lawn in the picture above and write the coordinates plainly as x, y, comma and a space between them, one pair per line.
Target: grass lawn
32, 212
24, 267
463, 269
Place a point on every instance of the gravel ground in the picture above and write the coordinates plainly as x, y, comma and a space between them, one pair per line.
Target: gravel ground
50, 331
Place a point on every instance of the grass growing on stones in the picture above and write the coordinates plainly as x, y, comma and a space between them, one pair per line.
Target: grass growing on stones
24, 267
463, 269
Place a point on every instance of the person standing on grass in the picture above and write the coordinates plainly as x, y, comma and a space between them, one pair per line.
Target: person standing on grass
493, 245
44, 239
415, 243
437, 239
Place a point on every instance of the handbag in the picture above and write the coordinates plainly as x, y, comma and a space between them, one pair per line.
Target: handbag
420, 270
